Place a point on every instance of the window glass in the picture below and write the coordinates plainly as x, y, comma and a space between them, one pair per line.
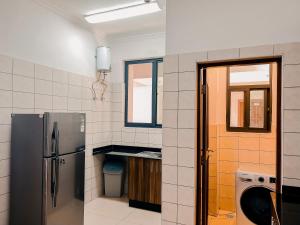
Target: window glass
140, 93
249, 75
257, 108
237, 109
160, 92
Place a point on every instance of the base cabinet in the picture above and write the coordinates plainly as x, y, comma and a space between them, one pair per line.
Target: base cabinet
144, 182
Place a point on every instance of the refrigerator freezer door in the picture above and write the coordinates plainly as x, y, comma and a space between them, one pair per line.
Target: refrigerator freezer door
64, 133
64, 189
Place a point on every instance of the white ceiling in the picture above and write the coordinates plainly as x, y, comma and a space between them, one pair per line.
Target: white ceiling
75, 9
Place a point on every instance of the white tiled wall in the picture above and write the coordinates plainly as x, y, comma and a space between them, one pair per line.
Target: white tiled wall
146, 137
179, 142
29, 88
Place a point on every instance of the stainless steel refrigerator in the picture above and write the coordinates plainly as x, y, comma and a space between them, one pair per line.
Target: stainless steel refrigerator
47, 169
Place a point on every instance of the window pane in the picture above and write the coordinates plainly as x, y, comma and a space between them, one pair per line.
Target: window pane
249, 75
257, 108
140, 93
237, 109
160, 92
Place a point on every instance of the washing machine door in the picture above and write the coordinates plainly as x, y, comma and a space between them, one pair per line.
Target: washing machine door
256, 205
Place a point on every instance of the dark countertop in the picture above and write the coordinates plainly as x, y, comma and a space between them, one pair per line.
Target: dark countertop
287, 205
129, 151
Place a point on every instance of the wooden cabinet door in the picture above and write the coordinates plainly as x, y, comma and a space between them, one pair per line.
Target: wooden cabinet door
153, 181
135, 179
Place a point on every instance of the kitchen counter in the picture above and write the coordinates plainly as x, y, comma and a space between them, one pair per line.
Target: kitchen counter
286, 206
129, 151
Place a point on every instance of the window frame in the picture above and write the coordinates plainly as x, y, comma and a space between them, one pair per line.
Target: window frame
247, 89
155, 62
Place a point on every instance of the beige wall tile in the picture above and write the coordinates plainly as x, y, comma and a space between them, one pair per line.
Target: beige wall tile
223, 54
5, 81
247, 156
5, 150
187, 81
5, 115
290, 52
291, 143
169, 156
228, 167
43, 72
23, 84
4, 185
6, 64
227, 204
23, 100
74, 92
169, 193
24, 68
75, 79
186, 176
170, 100
60, 89
4, 168
291, 98
260, 51
188, 61
4, 201
187, 119
171, 64
229, 142
291, 167
291, 77
228, 154
227, 191
169, 212
169, 137
60, 76
43, 87
267, 157
169, 174
186, 138
291, 120
227, 178
267, 144
60, 103
249, 143
187, 100
5, 98
185, 215
43, 101
171, 82
74, 104
170, 118
186, 157
186, 196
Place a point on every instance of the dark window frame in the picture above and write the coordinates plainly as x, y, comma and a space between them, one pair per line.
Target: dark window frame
247, 89
155, 62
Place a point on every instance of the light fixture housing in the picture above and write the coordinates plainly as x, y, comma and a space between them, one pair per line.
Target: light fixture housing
123, 12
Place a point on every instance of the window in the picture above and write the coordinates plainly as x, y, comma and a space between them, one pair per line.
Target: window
143, 93
248, 98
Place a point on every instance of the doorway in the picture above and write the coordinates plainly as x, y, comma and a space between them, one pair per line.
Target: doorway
238, 131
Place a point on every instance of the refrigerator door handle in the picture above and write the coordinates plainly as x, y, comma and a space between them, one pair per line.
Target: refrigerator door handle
55, 140
54, 180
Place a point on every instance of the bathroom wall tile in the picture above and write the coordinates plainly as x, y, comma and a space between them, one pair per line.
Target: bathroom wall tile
86, 93
169, 137
169, 212
186, 176
223, 54
5, 133
187, 100
291, 182
24, 68
248, 143
60, 89
43, 101
5, 81
60, 76
4, 185
169, 193
171, 82
291, 144
227, 191
4, 201
6, 64
171, 64
291, 121
291, 76
74, 92
169, 156
267, 157
248, 156
170, 118
170, 100
60, 103
227, 204
228, 154
164, 222
5, 98
187, 119
75, 79
23, 84
188, 61
4, 168
186, 196
187, 81
291, 167
260, 51
186, 215
43, 72
291, 98
5, 115
74, 104
228, 167
227, 179
186, 138
290, 52
267, 144
128, 137
155, 139
43, 87
169, 174
142, 138
23, 100
186, 157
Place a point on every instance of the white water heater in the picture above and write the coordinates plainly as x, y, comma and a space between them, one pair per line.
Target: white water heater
103, 59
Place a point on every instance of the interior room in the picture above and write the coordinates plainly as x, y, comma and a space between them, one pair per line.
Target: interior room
149, 112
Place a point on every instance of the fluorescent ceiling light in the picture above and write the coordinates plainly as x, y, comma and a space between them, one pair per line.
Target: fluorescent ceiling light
138, 9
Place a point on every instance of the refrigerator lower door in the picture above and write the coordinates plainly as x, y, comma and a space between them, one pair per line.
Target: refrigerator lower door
64, 190
64, 133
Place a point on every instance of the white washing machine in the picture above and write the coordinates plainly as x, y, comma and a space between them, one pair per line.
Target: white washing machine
253, 202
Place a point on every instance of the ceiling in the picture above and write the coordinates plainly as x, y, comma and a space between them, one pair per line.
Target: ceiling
75, 9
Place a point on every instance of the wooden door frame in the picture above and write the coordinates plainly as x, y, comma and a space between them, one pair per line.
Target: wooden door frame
279, 108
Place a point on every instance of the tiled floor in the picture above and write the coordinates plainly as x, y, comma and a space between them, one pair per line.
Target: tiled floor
224, 218
106, 211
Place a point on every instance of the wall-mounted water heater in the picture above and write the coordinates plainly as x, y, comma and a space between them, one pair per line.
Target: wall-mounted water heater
103, 63
103, 59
